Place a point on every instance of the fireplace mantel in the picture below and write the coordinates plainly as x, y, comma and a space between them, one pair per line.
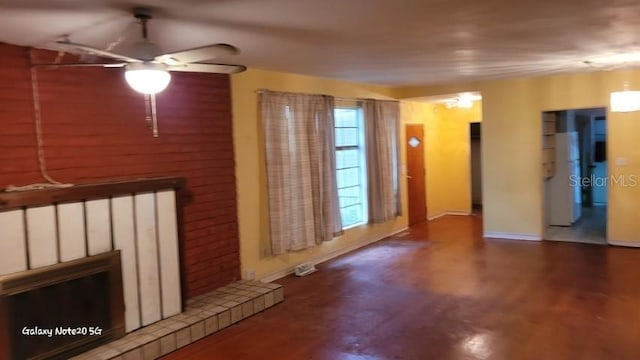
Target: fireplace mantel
19, 199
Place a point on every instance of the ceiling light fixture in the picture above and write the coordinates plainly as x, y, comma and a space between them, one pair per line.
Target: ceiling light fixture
462, 101
625, 100
147, 78
465, 101
610, 59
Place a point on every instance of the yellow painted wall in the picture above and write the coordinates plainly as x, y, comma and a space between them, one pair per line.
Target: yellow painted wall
447, 154
511, 156
251, 174
452, 174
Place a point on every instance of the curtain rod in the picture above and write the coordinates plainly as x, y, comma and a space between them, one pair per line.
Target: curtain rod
262, 91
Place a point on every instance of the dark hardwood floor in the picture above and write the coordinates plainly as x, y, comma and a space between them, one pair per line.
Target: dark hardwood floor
442, 292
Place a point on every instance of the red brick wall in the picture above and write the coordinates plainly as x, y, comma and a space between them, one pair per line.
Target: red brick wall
94, 130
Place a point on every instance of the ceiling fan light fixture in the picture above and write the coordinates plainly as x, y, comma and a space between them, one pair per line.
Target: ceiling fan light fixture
462, 101
625, 100
147, 78
465, 101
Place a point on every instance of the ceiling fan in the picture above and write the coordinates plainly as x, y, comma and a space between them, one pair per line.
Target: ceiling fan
146, 66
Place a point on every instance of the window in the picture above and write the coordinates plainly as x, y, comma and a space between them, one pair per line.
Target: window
351, 166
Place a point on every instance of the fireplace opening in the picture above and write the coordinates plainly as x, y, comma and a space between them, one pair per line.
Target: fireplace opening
58, 311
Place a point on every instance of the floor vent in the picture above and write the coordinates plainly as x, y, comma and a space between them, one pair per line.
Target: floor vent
305, 269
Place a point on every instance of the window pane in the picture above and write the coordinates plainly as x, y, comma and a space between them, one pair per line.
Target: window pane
351, 215
347, 158
349, 167
348, 177
350, 196
346, 137
346, 117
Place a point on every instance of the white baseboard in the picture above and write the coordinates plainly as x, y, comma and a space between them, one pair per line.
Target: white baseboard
328, 256
624, 243
457, 213
429, 218
449, 212
512, 236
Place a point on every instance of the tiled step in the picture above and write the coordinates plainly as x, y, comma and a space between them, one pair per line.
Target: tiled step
204, 315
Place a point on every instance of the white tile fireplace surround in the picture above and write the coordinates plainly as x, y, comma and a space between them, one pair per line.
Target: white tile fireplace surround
204, 315
140, 218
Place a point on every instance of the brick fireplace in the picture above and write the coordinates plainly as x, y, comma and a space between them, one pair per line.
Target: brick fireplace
82, 266
52, 271
94, 131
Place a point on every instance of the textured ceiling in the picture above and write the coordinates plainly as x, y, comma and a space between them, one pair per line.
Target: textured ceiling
377, 41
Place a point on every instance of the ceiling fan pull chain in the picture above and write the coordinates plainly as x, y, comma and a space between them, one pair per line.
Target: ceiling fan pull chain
147, 110
154, 115
150, 111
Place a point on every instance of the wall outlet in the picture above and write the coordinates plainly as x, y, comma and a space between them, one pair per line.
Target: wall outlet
249, 274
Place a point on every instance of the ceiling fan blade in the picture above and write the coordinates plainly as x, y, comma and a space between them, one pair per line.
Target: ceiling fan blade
209, 68
106, 65
85, 49
202, 53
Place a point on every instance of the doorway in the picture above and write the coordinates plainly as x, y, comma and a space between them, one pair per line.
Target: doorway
475, 157
576, 184
416, 186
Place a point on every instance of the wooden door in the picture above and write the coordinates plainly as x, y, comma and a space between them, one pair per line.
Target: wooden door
416, 173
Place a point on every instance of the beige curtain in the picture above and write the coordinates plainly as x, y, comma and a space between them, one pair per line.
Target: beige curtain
382, 129
301, 170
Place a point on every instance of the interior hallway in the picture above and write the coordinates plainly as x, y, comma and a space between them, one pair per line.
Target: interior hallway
442, 292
